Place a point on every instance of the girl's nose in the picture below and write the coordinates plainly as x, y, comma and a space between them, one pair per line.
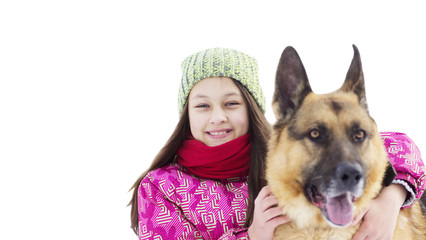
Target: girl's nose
218, 116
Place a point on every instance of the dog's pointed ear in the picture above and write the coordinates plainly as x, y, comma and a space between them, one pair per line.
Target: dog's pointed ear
390, 175
291, 84
355, 79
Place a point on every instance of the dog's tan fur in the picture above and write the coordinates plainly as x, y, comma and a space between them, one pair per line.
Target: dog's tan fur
293, 157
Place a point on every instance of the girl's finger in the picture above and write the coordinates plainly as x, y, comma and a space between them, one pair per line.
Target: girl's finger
278, 221
265, 192
273, 213
268, 202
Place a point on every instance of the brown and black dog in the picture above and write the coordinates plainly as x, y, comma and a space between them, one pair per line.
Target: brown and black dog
326, 160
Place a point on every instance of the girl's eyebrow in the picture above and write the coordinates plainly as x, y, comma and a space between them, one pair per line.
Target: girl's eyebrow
199, 96
228, 94
232, 94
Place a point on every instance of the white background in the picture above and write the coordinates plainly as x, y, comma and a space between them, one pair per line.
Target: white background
88, 90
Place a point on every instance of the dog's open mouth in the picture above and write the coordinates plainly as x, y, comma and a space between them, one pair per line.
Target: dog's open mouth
338, 210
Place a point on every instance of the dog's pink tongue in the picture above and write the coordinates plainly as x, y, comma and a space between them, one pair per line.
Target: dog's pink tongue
339, 209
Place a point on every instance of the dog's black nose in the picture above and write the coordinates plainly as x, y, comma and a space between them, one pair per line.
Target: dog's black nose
349, 174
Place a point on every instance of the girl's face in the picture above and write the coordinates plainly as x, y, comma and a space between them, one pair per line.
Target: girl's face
217, 111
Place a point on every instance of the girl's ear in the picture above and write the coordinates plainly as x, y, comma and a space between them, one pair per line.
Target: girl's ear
291, 84
354, 81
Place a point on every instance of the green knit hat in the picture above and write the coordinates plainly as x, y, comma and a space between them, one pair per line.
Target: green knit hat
220, 62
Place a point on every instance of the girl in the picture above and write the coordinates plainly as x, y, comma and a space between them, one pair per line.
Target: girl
207, 182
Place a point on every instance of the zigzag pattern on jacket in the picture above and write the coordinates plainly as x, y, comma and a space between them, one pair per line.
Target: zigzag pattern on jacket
206, 208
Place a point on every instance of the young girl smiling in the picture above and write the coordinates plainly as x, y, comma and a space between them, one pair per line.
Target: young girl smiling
208, 180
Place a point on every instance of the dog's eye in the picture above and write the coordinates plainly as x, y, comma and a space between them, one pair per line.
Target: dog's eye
359, 135
314, 134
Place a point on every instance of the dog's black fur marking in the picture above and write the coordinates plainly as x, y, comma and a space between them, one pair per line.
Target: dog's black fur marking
336, 106
423, 203
390, 175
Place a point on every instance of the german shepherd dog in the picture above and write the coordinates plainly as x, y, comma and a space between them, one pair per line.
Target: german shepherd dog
326, 160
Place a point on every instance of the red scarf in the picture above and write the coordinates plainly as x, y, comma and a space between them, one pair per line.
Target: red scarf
231, 159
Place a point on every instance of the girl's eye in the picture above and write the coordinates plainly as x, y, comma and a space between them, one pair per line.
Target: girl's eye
230, 104
202, 106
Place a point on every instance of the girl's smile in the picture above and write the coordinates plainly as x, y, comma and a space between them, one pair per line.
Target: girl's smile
219, 133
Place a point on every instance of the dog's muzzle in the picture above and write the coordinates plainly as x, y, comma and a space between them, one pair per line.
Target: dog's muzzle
336, 198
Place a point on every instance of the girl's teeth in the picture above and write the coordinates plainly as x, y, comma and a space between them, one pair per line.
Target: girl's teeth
217, 133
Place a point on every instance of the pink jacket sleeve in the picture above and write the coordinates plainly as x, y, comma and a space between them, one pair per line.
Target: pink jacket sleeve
235, 234
406, 159
160, 214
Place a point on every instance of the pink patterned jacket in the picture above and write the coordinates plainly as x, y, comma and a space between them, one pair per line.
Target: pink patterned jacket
174, 204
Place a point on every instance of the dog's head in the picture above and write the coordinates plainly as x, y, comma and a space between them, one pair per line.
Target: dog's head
326, 159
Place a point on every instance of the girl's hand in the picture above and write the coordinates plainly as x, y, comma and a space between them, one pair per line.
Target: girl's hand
267, 216
380, 217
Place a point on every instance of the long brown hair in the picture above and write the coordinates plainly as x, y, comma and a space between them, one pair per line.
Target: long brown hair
259, 134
